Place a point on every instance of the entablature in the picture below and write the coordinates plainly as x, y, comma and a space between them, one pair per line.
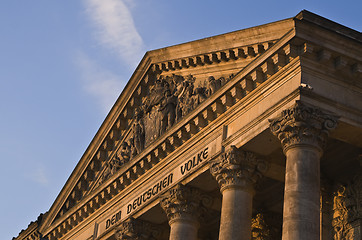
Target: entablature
256, 64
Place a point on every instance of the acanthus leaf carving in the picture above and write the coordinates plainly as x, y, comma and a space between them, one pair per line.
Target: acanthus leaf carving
185, 203
237, 168
135, 229
302, 124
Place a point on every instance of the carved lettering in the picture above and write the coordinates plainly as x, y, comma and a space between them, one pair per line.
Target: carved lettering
154, 190
192, 163
113, 219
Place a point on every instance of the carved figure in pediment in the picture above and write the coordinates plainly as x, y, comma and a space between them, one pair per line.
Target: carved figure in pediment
133, 150
115, 165
138, 132
213, 85
124, 154
157, 93
186, 100
168, 110
199, 96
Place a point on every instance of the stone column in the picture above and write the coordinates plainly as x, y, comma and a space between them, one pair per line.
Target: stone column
303, 132
182, 206
236, 172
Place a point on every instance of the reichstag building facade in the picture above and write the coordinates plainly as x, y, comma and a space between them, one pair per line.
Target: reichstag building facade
253, 134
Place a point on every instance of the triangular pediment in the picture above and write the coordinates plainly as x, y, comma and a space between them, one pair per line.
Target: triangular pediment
180, 94
173, 93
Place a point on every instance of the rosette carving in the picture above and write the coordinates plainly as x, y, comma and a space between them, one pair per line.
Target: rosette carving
303, 125
182, 202
237, 168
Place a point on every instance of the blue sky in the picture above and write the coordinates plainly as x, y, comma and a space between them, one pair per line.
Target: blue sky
64, 63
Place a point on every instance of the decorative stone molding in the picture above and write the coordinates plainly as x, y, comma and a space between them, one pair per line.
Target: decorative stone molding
237, 168
303, 125
135, 229
239, 53
259, 229
123, 126
347, 210
266, 226
340, 213
111, 146
184, 203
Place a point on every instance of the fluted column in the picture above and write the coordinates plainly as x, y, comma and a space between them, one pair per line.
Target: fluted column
303, 132
182, 206
236, 172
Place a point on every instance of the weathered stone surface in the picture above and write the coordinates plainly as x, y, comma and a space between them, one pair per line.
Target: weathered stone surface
135, 229
303, 132
303, 125
347, 210
236, 172
183, 207
183, 98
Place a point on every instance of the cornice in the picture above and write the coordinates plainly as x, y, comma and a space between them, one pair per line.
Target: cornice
253, 77
31, 233
101, 134
238, 87
245, 37
327, 24
128, 193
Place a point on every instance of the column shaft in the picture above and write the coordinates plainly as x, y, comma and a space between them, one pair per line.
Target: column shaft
181, 230
237, 171
303, 131
183, 207
302, 194
235, 222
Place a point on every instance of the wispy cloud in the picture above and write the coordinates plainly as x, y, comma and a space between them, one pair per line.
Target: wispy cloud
115, 28
39, 175
99, 82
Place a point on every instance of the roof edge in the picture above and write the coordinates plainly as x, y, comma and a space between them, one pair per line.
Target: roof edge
323, 22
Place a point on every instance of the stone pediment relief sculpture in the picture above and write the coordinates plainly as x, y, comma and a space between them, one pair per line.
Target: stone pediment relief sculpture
167, 102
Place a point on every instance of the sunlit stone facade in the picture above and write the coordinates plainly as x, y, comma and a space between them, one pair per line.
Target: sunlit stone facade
254, 134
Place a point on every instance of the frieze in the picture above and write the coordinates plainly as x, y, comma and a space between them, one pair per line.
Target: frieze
122, 130
169, 99
159, 185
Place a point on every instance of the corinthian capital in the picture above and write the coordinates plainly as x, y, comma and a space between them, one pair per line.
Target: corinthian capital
182, 202
237, 168
135, 229
303, 125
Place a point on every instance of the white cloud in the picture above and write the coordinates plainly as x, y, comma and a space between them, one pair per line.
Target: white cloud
39, 175
115, 28
99, 82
